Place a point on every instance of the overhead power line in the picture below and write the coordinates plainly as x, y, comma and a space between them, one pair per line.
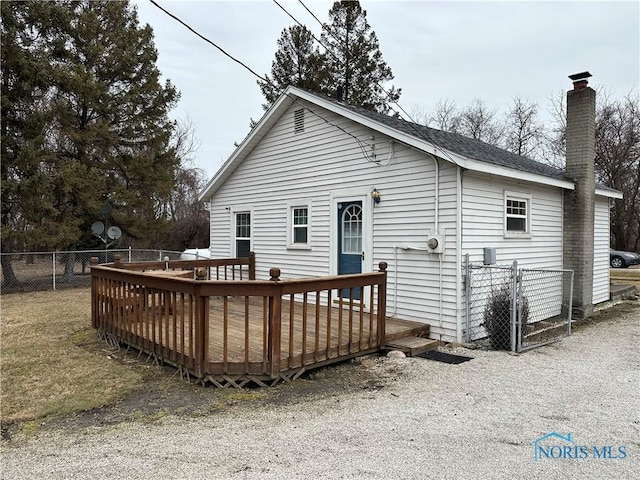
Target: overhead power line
191, 29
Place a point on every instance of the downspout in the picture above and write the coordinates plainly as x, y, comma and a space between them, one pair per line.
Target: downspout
459, 254
436, 225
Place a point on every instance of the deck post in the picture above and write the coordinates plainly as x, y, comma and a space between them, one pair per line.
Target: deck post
201, 307
382, 305
94, 295
275, 324
252, 266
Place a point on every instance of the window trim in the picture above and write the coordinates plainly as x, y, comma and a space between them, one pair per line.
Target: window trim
234, 224
291, 206
519, 197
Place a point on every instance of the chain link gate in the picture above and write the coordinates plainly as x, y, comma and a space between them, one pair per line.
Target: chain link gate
516, 309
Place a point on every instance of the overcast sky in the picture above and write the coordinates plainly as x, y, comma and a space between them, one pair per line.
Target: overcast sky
437, 50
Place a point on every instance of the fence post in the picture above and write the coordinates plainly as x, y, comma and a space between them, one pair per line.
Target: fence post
382, 306
467, 290
570, 305
514, 304
129, 253
275, 324
54, 270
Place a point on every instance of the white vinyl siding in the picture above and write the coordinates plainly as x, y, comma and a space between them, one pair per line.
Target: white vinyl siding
284, 167
482, 221
601, 280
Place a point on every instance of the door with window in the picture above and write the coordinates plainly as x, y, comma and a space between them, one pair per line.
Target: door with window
350, 248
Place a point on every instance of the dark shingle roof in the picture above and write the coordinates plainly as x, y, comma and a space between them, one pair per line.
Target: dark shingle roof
467, 147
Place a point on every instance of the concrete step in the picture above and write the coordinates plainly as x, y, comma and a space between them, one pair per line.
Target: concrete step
412, 346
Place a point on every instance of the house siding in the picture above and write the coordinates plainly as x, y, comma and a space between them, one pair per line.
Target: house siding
601, 281
483, 222
285, 167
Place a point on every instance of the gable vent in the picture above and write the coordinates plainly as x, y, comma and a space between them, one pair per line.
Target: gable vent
298, 121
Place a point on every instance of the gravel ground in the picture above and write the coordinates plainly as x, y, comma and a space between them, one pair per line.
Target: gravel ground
421, 419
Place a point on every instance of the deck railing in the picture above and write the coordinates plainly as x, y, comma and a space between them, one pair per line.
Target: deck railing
213, 320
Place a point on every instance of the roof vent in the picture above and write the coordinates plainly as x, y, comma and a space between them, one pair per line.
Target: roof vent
298, 121
580, 80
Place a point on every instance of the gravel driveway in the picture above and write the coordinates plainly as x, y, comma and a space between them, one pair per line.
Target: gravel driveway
423, 419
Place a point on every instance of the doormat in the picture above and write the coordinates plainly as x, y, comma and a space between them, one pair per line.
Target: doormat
444, 357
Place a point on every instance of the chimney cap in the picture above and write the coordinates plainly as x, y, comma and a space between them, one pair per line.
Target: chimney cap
576, 77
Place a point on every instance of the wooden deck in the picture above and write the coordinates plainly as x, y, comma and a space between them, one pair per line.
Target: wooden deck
230, 332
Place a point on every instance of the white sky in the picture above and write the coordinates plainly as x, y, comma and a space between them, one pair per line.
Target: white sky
437, 50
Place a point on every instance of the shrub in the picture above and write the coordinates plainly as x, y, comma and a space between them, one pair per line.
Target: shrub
497, 318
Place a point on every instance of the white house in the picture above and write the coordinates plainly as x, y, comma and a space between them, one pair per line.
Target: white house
320, 187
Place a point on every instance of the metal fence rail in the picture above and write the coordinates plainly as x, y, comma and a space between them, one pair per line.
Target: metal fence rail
34, 271
517, 309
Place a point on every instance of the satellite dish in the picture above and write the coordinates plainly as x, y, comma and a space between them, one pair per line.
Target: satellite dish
114, 233
97, 228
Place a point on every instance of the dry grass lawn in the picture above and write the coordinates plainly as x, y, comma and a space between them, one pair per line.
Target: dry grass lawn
625, 276
51, 359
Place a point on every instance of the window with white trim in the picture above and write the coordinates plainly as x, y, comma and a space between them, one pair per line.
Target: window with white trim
299, 224
243, 234
517, 215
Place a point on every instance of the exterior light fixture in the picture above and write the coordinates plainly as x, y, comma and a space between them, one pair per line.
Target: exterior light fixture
375, 194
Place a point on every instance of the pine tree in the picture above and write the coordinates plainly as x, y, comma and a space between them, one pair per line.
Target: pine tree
354, 60
84, 122
297, 62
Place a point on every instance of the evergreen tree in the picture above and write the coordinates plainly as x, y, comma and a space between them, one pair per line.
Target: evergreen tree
297, 62
85, 121
354, 60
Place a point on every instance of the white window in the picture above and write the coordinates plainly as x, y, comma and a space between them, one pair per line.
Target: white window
517, 215
299, 224
243, 234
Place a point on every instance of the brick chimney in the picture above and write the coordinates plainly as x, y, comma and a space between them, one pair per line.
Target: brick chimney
579, 204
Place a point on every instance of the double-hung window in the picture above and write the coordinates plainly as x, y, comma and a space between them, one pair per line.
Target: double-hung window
243, 234
517, 215
299, 225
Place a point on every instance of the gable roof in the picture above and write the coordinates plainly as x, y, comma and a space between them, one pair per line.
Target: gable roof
468, 153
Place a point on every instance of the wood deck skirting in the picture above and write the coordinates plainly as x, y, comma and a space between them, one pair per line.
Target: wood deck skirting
236, 327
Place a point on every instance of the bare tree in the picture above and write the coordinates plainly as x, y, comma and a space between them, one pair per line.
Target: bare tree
523, 133
618, 165
446, 116
479, 122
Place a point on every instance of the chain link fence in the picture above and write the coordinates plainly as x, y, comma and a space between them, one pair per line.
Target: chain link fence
34, 271
516, 309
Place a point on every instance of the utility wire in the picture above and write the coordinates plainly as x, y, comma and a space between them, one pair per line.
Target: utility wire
266, 80
207, 40
412, 123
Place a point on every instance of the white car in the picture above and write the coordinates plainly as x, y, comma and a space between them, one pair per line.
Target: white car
195, 254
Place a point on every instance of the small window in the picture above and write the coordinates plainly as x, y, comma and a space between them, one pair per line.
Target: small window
517, 215
299, 225
298, 121
243, 234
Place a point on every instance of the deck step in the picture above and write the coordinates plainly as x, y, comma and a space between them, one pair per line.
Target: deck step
412, 346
